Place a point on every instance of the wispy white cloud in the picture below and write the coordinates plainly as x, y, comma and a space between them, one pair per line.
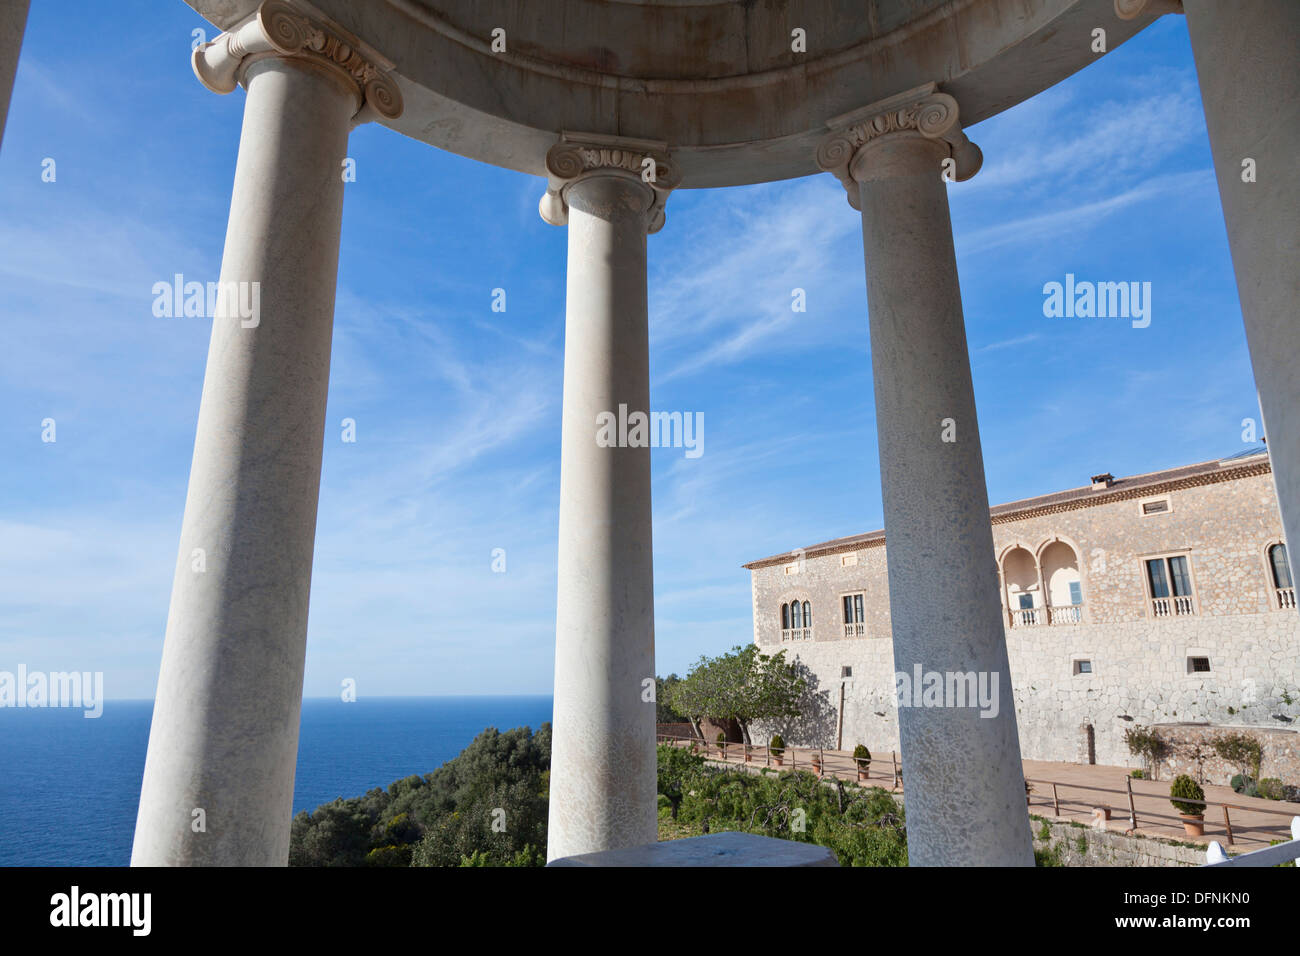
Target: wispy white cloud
1010, 343
727, 293
1077, 219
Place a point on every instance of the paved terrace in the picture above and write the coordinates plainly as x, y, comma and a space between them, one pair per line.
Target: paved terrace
1065, 792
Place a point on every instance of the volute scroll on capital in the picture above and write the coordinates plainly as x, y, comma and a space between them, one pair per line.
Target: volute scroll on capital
294, 29
924, 111
580, 155
1132, 9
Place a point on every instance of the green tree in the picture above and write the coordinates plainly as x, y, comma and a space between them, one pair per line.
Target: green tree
744, 685
664, 711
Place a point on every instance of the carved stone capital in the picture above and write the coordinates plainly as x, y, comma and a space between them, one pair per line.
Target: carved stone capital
1131, 9
578, 156
294, 29
923, 111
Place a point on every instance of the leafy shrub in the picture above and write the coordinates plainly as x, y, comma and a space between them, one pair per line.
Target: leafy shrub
1136, 774
777, 746
1271, 788
443, 817
677, 769
1242, 750
1146, 742
864, 826
1049, 856
1186, 788
862, 756
1240, 782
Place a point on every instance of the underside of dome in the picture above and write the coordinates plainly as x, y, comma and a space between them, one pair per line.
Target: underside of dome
740, 92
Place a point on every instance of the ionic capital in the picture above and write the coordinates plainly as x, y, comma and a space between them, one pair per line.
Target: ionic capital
579, 156
293, 29
1131, 9
923, 111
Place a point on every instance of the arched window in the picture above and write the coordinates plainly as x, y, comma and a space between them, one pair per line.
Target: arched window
785, 617
807, 614
1062, 583
1281, 569
1283, 586
797, 614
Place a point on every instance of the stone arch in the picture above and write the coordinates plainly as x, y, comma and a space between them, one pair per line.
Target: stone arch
1061, 568
1021, 585
1279, 582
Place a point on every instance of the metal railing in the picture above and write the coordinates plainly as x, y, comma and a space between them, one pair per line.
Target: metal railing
885, 770
1173, 606
1269, 856
1164, 819
817, 760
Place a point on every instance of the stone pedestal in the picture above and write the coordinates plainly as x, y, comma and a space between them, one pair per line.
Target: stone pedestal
715, 849
965, 787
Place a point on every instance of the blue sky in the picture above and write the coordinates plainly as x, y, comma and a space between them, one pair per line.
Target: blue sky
1107, 175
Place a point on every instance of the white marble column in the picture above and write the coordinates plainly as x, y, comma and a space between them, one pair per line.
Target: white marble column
218, 779
603, 778
1248, 62
962, 770
13, 23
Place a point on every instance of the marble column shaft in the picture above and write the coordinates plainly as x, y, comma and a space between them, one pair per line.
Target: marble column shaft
1246, 56
603, 771
961, 765
13, 24
225, 724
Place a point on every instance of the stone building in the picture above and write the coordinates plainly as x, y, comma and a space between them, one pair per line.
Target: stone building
1163, 598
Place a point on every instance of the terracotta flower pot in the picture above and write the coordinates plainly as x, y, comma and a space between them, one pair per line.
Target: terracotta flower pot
1193, 823
862, 775
777, 760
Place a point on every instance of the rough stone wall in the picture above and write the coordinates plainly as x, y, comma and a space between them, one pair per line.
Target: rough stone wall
1086, 846
1281, 753
1140, 670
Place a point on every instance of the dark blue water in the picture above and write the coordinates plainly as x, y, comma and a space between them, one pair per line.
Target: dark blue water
69, 787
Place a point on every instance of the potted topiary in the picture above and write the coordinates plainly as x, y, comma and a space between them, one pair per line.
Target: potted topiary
777, 749
1193, 814
862, 757
722, 744
817, 762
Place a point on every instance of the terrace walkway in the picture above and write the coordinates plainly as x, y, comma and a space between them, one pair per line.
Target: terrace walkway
1063, 792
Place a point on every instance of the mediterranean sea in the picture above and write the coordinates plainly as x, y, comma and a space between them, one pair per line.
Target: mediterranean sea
70, 786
